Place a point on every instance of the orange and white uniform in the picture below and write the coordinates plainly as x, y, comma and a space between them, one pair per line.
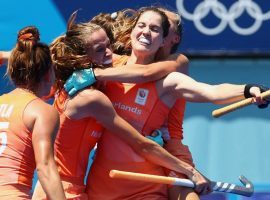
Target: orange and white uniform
74, 141
17, 160
140, 105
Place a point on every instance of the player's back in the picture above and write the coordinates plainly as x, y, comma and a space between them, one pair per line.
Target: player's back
17, 161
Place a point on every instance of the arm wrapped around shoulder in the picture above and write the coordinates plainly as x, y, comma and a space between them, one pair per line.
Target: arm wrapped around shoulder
262, 88
4, 56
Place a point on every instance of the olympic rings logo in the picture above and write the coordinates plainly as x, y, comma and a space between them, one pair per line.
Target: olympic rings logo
227, 17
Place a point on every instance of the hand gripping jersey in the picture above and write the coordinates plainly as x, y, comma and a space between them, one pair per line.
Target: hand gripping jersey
140, 105
17, 160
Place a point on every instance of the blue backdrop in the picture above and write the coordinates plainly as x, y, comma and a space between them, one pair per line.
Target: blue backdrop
223, 148
210, 26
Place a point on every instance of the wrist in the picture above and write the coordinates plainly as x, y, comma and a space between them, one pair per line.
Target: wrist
97, 72
247, 90
191, 172
6, 55
249, 87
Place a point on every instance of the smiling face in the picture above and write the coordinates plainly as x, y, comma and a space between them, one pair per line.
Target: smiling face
99, 48
147, 35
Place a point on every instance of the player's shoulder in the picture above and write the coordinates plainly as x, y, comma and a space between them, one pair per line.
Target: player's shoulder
41, 108
88, 98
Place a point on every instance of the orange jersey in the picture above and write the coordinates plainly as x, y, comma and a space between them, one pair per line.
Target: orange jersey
175, 119
173, 141
71, 190
140, 105
17, 160
74, 141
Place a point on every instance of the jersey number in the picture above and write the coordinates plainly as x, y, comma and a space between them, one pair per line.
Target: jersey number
3, 136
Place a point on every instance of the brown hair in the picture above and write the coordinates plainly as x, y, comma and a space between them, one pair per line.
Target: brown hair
30, 59
114, 25
123, 32
69, 51
106, 22
164, 19
176, 19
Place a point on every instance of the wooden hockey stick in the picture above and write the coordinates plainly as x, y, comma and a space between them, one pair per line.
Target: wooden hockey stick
246, 190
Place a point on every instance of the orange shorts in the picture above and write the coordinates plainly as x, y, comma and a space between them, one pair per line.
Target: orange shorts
72, 192
181, 151
15, 191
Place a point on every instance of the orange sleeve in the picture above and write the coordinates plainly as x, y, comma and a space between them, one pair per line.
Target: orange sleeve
175, 119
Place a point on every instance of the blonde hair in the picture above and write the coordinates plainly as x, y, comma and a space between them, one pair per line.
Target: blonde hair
116, 24
69, 51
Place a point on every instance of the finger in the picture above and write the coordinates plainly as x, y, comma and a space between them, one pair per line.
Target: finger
72, 92
205, 190
258, 100
150, 137
198, 189
210, 189
155, 133
265, 105
68, 85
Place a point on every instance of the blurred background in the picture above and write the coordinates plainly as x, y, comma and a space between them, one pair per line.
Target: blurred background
225, 40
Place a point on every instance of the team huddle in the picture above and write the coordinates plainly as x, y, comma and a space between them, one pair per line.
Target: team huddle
118, 84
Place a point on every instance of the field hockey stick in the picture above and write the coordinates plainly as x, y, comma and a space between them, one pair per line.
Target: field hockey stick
240, 104
246, 190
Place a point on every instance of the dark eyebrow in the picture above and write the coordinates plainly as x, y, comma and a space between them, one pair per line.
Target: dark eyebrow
155, 26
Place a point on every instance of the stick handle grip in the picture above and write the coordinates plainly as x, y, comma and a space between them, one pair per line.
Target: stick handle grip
240, 104
151, 178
